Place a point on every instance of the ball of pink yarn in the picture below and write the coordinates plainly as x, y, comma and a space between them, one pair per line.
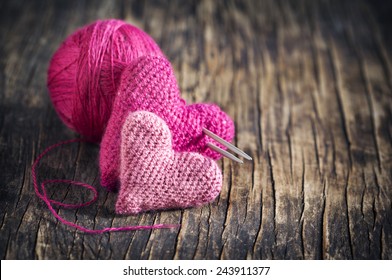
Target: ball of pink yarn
85, 71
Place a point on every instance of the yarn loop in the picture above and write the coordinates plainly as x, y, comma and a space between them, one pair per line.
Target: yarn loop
40, 190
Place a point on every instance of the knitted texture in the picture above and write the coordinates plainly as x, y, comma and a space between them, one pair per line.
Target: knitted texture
149, 84
84, 73
154, 176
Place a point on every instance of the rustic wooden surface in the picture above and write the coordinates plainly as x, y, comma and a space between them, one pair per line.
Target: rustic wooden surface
309, 85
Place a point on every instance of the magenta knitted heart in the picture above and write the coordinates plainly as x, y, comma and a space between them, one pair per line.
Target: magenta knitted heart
154, 176
149, 84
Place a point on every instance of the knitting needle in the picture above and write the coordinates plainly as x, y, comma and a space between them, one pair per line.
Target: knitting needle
228, 145
224, 153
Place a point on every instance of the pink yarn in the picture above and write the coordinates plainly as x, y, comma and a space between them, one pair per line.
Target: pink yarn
98, 77
84, 77
154, 176
85, 71
40, 190
149, 84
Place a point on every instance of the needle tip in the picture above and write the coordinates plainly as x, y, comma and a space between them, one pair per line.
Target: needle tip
228, 145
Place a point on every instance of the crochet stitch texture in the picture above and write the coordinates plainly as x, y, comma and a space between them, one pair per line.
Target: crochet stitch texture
154, 176
149, 84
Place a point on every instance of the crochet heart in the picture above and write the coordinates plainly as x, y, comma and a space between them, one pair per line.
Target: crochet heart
153, 176
149, 84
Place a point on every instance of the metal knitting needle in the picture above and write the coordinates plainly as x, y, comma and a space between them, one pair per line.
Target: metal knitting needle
224, 153
228, 145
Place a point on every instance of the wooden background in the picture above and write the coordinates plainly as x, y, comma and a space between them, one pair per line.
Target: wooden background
309, 85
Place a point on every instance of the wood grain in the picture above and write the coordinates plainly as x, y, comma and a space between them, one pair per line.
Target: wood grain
309, 86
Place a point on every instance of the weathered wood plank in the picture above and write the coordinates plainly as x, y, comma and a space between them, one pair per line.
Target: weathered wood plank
309, 86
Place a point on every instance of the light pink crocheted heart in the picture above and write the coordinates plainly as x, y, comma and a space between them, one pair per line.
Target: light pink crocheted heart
154, 176
149, 84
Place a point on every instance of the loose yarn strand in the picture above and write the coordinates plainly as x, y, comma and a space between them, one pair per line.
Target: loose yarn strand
41, 193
